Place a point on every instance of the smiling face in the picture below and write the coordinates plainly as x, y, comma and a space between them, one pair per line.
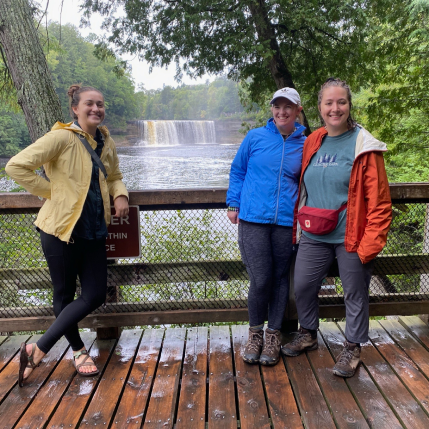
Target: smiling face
284, 114
90, 111
334, 108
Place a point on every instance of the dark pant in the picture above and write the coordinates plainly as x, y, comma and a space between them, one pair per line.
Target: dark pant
66, 261
312, 264
266, 251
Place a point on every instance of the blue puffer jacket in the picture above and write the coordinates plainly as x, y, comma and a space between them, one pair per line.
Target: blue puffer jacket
264, 175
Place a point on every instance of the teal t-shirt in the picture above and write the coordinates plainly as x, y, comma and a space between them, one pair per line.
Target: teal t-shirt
327, 178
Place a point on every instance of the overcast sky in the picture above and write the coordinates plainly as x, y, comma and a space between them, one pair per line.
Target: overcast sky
140, 70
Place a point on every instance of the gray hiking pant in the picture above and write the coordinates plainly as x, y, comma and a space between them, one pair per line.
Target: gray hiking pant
312, 264
266, 251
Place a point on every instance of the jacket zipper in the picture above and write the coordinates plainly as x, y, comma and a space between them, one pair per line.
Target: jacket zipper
280, 178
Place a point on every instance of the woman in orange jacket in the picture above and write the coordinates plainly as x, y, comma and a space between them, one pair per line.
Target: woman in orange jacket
343, 210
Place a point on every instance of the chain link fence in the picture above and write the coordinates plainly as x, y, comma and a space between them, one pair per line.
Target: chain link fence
190, 260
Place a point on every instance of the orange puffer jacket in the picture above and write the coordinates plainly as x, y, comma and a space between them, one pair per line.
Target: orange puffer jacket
369, 207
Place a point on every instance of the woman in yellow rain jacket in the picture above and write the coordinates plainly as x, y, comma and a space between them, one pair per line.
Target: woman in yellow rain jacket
74, 218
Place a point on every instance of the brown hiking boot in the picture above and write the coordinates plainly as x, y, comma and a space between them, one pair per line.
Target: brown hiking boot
252, 352
348, 360
271, 352
301, 343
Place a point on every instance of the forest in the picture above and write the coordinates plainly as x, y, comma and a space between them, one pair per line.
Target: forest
251, 49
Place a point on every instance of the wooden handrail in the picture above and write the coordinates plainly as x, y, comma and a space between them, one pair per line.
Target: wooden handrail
198, 198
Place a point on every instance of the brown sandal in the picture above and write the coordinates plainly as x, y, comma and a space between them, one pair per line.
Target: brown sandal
25, 361
84, 363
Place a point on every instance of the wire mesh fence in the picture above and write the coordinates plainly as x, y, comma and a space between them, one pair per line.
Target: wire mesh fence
190, 260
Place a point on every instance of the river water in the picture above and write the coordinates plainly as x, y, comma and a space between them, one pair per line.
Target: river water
170, 167
181, 166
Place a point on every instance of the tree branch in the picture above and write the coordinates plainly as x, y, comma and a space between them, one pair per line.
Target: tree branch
205, 9
331, 36
43, 15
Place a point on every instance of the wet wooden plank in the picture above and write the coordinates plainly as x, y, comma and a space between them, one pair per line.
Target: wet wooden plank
9, 375
251, 400
344, 409
19, 398
401, 363
312, 406
73, 403
409, 343
9, 347
404, 405
136, 393
417, 327
281, 402
372, 402
103, 403
222, 413
163, 400
191, 413
40, 410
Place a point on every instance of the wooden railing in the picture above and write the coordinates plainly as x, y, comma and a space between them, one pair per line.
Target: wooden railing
191, 311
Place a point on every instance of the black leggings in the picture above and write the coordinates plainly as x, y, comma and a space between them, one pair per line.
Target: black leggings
66, 261
266, 251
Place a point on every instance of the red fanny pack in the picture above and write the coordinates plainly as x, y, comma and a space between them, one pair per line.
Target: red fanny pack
319, 221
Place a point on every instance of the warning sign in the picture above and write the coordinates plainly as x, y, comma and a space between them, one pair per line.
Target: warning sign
123, 240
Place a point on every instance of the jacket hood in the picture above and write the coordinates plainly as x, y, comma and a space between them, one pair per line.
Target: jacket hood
365, 141
71, 126
272, 127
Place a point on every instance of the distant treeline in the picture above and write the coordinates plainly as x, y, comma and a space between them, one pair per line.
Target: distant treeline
214, 100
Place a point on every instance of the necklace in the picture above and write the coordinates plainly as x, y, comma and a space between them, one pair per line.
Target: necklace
286, 136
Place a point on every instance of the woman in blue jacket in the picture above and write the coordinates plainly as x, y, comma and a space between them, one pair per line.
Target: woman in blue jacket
263, 188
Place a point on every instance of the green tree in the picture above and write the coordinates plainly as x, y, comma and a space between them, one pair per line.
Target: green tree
76, 63
395, 104
400, 80
272, 43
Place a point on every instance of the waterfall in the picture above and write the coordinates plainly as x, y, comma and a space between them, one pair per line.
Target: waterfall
170, 133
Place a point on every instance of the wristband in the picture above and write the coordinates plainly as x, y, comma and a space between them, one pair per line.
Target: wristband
233, 209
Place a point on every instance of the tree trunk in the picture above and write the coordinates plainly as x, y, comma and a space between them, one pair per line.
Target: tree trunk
28, 68
277, 65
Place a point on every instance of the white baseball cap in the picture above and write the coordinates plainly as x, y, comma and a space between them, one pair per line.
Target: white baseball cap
289, 93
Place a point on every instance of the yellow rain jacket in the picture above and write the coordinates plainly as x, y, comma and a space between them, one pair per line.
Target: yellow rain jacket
69, 167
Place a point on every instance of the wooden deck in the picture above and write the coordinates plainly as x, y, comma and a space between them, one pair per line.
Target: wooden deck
195, 378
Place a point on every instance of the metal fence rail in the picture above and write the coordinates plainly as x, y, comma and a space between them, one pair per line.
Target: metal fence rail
190, 261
